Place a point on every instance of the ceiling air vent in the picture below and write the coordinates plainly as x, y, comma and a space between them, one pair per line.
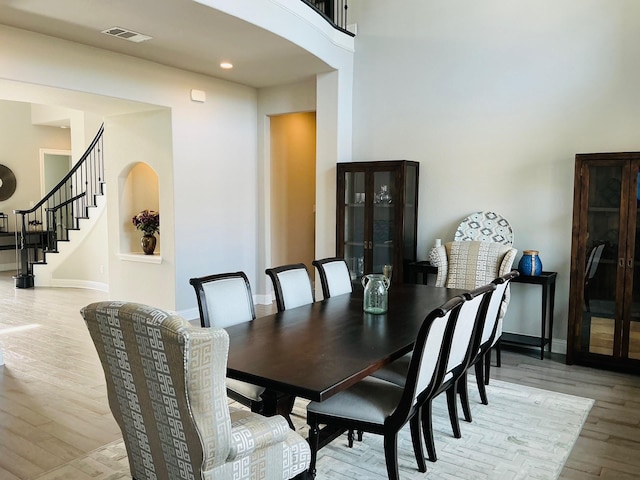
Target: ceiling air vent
126, 34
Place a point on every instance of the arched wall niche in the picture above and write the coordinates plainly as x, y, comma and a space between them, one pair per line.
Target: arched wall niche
138, 190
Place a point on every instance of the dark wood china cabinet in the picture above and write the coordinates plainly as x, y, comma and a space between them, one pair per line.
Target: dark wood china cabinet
604, 304
377, 215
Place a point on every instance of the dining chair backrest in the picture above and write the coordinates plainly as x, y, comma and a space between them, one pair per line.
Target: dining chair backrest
334, 276
429, 358
466, 335
224, 299
494, 312
292, 286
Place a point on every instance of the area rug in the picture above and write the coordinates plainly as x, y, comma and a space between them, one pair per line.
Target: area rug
524, 433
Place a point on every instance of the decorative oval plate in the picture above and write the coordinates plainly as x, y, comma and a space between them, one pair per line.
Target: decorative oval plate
7, 183
485, 227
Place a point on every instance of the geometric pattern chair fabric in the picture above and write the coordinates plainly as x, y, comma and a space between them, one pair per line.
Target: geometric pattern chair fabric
471, 264
291, 285
166, 389
334, 276
224, 300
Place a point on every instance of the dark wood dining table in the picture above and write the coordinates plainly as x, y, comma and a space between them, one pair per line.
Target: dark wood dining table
317, 350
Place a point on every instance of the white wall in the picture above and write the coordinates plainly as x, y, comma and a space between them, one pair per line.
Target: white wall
213, 150
217, 146
494, 99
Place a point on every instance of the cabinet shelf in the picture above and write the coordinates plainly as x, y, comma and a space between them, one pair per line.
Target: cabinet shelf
603, 209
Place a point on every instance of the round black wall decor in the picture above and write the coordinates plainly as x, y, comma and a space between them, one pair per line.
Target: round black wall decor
7, 183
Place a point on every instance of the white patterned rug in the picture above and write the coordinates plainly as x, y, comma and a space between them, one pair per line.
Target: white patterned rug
524, 433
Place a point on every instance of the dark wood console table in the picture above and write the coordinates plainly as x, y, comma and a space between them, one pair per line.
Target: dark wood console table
548, 282
420, 269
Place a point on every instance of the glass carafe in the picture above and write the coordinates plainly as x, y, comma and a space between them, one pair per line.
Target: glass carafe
375, 293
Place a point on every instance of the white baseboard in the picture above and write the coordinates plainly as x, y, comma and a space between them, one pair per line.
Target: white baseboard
559, 346
74, 283
263, 299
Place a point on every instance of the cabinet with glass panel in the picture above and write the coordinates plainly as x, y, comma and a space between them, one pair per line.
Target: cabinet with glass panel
604, 303
377, 215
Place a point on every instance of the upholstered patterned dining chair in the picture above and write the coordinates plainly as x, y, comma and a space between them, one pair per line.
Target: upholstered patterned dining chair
166, 387
224, 300
291, 285
334, 276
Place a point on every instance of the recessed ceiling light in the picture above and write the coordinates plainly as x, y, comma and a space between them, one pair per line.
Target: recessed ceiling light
226, 65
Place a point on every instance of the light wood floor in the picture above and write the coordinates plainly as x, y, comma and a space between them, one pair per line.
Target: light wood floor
53, 406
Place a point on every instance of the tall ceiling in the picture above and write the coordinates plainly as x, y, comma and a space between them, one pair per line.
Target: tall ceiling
185, 34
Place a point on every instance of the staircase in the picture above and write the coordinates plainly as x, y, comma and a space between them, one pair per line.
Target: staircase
48, 222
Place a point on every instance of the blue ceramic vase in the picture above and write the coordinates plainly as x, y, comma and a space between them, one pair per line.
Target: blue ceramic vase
530, 263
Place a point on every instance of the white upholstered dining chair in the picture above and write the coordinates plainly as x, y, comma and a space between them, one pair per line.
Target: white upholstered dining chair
491, 331
464, 342
380, 407
334, 276
291, 285
224, 300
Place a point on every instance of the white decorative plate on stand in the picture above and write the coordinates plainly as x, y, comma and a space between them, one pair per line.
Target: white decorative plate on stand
485, 227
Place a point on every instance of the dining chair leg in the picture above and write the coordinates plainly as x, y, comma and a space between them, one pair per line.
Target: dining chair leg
427, 430
453, 411
416, 440
391, 455
350, 438
480, 380
359, 435
487, 366
314, 437
498, 352
463, 392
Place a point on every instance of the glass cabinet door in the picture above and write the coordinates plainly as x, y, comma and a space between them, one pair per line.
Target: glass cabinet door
599, 326
354, 222
631, 329
384, 202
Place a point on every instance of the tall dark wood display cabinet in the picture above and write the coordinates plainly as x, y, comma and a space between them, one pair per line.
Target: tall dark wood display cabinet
377, 216
604, 304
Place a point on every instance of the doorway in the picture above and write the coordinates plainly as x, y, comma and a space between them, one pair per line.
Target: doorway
54, 165
293, 188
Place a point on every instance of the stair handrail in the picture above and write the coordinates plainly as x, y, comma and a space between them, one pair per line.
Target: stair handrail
68, 176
